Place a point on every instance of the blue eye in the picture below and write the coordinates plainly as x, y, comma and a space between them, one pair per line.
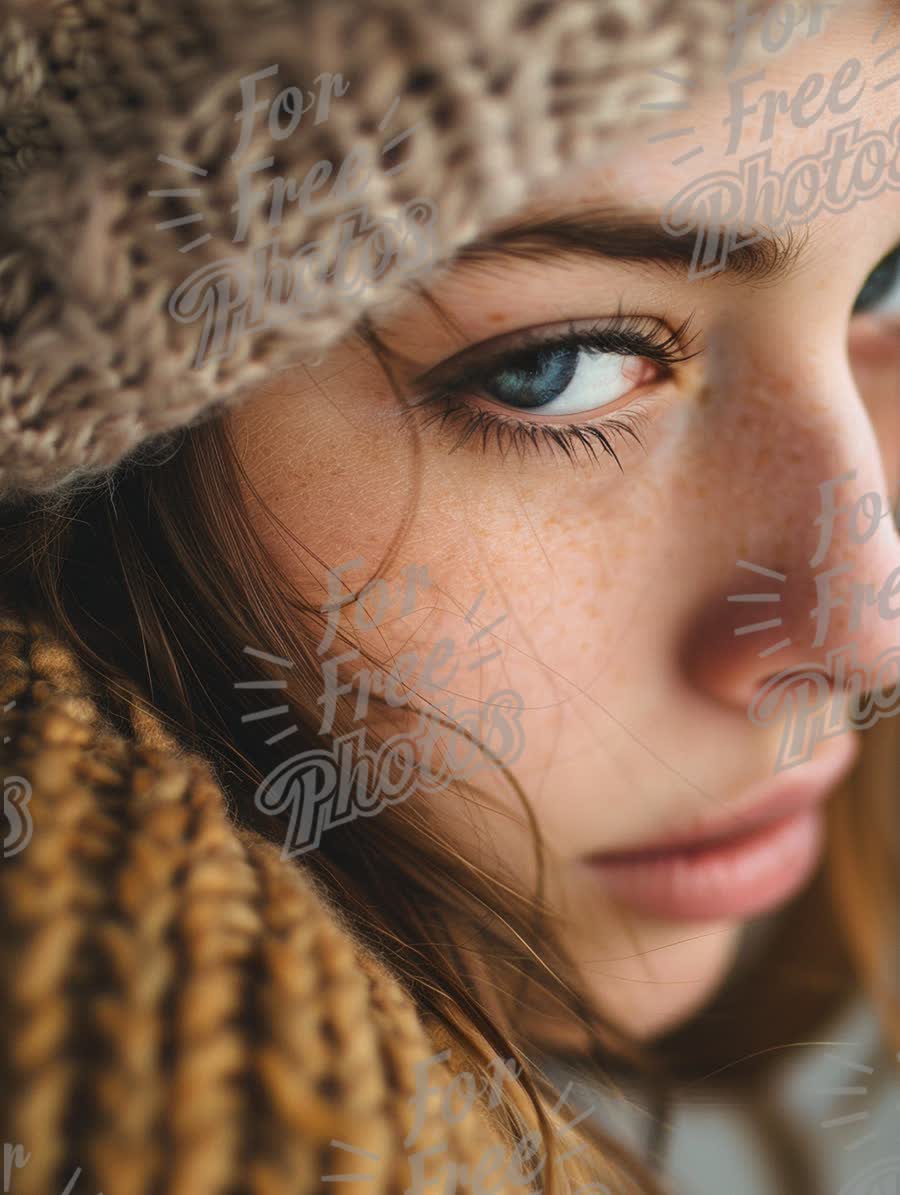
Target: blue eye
563, 380
576, 371
881, 293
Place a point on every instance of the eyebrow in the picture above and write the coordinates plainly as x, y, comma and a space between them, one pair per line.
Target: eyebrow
625, 236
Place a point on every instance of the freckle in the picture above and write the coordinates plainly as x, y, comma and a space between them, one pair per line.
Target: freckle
704, 396
497, 317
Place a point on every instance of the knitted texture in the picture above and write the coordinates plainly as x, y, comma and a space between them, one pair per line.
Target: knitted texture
181, 1011
500, 94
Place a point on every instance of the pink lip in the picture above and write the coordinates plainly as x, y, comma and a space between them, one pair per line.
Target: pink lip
737, 866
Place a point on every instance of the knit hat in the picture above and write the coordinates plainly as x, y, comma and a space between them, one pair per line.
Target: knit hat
387, 133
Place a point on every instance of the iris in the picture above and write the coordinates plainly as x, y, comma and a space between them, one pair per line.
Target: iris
539, 381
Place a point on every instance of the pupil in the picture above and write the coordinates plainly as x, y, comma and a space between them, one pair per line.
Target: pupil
880, 282
539, 379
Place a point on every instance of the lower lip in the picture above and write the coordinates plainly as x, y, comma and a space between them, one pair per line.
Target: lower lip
743, 876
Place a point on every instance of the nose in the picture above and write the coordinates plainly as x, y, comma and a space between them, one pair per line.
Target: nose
802, 631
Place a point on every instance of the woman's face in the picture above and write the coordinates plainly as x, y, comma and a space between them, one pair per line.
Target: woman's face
605, 588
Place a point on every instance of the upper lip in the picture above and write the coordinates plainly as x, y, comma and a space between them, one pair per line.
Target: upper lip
766, 803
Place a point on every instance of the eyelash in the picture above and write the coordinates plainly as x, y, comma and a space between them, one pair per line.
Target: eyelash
626, 335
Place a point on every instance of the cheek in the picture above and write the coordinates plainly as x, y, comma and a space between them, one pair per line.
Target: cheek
546, 562
336, 461
325, 454
561, 554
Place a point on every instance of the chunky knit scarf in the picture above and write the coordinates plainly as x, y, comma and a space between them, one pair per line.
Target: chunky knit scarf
182, 1011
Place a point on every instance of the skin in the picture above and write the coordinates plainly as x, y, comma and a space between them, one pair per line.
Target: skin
618, 634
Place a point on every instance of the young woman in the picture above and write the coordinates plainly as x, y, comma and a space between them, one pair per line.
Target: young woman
545, 623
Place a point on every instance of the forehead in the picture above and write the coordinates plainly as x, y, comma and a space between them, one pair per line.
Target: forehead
836, 85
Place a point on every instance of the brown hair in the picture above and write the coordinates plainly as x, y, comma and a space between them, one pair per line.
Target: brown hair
156, 581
